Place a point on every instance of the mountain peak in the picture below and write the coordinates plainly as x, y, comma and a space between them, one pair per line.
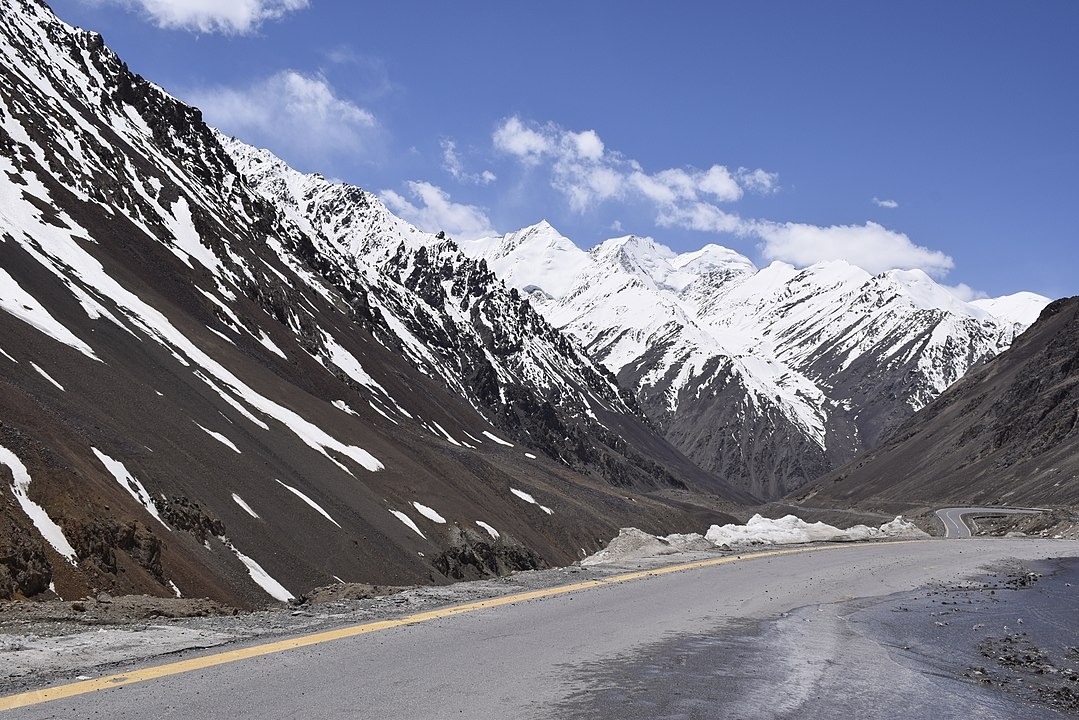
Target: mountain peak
1022, 308
713, 258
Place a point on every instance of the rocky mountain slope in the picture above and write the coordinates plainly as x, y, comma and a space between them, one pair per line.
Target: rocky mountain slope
212, 390
1007, 433
768, 377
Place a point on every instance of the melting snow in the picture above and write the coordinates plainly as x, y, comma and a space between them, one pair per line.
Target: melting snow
269, 344
446, 434
633, 544
343, 407
408, 521
791, 530
45, 525
273, 588
25, 306
490, 530
129, 483
175, 589
428, 513
240, 501
348, 363
531, 500
219, 437
188, 242
46, 375
497, 439
309, 501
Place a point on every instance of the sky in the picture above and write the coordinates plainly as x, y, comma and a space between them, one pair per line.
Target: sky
939, 136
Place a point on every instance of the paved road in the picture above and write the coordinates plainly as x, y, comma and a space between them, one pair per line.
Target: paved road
563, 656
955, 527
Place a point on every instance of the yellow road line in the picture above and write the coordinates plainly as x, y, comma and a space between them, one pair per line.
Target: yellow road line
58, 692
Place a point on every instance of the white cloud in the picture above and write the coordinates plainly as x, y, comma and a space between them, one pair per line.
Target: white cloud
871, 247
586, 145
297, 116
527, 145
885, 203
588, 174
235, 17
701, 216
451, 163
437, 212
719, 183
965, 292
758, 181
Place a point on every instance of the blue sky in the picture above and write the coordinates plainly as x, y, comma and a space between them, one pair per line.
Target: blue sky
936, 135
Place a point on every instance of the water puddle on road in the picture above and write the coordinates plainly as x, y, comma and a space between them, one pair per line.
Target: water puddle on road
935, 652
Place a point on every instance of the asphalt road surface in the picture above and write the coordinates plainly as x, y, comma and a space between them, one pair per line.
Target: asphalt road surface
955, 527
638, 647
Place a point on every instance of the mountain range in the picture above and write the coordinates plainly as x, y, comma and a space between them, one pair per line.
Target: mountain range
1006, 433
222, 377
767, 377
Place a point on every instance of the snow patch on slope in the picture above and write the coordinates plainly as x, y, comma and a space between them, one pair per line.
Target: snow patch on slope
130, 484
309, 501
48, 528
408, 522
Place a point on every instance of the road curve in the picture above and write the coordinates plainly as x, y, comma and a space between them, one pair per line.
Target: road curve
533, 657
956, 527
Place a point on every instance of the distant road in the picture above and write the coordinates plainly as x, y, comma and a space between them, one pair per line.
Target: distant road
955, 527
597, 650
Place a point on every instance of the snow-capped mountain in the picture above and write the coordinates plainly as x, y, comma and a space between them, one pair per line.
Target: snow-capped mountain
224, 378
1006, 433
766, 376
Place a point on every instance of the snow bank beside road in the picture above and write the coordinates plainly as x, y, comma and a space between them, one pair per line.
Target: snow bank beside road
791, 530
632, 543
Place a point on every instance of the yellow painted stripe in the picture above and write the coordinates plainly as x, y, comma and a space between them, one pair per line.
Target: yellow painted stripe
58, 692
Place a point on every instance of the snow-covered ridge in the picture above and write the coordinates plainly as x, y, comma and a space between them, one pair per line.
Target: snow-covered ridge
833, 354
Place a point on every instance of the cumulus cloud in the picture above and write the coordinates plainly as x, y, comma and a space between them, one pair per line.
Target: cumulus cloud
885, 203
435, 211
758, 181
704, 217
965, 292
872, 247
587, 173
527, 145
451, 163
298, 116
234, 17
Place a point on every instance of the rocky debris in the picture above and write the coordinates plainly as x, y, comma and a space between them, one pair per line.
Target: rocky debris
1055, 523
105, 609
25, 569
184, 514
349, 591
633, 544
472, 556
97, 542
